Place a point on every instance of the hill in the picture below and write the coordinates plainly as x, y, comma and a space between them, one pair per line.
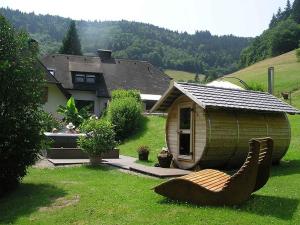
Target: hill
282, 36
201, 52
182, 75
287, 73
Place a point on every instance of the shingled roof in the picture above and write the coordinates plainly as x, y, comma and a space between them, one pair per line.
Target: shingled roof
113, 73
215, 97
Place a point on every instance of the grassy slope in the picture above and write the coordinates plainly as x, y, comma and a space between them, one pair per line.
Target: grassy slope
152, 134
287, 72
181, 75
85, 195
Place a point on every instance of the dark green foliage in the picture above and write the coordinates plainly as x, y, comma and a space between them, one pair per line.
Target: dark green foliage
100, 136
125, 114
121, 93
21, 83
199, 52
71, 43
296, 11
255, 87
48, 122
281, 37
71, 114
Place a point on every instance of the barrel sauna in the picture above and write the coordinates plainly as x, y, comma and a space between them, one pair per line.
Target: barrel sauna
218, 137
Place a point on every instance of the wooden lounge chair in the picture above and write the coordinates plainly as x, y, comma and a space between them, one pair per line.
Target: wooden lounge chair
213, 187
264, 162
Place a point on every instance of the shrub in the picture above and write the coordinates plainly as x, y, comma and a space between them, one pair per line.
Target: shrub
100, 136
121, 93
71, 114
255, 87
21, 82
125, 115
48, 122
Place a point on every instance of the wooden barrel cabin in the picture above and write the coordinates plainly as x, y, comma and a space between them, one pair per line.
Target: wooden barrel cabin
211, 127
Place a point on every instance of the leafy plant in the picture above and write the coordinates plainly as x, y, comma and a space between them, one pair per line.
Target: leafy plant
125, 115
100, 136
48, 122
121, 93
71, 114
255, 87
21, 82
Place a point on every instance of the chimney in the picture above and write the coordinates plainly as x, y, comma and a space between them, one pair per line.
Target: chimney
104, 54
271, 80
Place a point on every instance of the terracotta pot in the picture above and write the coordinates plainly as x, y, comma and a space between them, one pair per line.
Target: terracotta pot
165, 160
143, 156
95, 160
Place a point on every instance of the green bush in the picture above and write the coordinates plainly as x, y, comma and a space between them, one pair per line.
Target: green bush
121, 93
21, 85
100, 136
125, 115
48, 122
255, 87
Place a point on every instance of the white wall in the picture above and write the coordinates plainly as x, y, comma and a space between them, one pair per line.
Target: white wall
55, 98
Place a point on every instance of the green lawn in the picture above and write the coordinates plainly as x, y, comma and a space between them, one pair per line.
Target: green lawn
151, 133
287, 73
178, 75
86, 195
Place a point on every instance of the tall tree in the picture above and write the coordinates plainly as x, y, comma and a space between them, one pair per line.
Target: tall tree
71, 43
21, 85
296, 11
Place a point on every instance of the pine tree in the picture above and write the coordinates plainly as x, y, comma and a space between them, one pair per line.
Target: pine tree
296, 11
273, 21
71, 43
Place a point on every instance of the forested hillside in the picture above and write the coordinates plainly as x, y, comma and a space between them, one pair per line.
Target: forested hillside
201, 52
282, 36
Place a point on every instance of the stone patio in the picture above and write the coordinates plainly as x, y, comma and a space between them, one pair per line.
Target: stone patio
126, 163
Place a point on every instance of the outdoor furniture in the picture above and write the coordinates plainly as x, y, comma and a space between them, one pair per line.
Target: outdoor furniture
213, 187
264, 162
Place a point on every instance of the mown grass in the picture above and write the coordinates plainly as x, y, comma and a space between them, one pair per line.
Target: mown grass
103, 195
287, 73
178, 75
151, 133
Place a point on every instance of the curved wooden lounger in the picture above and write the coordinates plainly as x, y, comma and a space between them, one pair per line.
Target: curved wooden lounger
212, 187
264, 162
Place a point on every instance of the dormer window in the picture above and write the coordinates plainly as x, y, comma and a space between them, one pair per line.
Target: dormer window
91, 79
82, 77
79, 78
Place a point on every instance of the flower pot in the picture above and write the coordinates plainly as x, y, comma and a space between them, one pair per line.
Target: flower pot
95, 160
165, 160
143, 156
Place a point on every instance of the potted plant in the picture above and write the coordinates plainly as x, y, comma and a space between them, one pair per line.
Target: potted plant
99, 138
165, 158
143, 152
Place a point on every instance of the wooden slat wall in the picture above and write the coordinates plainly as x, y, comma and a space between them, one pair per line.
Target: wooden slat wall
231, 131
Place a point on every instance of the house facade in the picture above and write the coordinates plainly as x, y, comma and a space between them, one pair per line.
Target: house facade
90, 79
54, 94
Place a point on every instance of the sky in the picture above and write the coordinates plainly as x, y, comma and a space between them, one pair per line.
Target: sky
245, 18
